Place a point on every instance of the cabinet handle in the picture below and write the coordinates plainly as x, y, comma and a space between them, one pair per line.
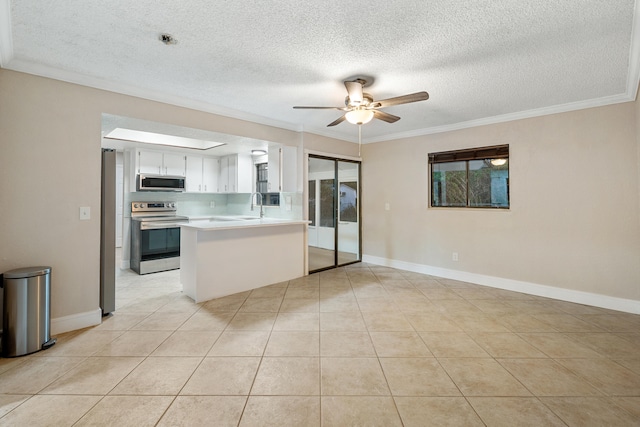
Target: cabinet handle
199, 187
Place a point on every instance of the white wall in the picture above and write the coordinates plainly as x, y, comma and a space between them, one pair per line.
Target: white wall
574, 221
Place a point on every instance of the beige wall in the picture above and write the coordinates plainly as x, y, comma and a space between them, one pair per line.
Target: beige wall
50, 158
574, 221
322, 144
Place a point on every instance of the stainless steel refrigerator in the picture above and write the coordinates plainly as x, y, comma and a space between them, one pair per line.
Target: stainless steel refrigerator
108, 233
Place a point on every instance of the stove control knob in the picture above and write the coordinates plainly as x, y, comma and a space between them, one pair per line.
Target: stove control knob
173, 205
135, 205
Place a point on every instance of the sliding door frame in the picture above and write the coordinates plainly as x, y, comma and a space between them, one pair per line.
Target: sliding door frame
336, 204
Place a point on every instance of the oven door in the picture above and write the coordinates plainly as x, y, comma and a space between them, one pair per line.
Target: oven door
157, 242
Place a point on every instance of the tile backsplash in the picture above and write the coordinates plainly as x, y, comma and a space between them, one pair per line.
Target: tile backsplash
198, 204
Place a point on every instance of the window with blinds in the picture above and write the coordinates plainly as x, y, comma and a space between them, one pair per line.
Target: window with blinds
470, 178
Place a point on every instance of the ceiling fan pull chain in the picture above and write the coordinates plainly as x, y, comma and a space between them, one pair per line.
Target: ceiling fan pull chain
359, 138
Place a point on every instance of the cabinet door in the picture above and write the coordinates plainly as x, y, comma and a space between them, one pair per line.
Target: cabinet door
193, 183
150, 162
210, 172
245, 174
289, 169
174, 164
236, 174
233, 174
273, 180
223, 177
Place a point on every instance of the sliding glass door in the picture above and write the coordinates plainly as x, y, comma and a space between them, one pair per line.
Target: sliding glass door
348, 212
334, 212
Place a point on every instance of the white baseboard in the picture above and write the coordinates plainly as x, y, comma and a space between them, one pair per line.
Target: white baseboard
72, 322
570, 295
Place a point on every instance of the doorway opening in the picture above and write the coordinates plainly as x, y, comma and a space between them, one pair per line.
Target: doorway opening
334, 212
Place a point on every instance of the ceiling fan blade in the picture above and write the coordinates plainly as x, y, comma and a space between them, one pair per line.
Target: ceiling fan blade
386, 117
354, 89
318, 108
337, 121
404, 99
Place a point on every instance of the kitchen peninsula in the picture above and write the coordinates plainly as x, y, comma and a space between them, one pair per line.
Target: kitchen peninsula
226, 255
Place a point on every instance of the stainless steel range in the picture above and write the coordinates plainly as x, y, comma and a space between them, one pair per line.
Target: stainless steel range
155, 236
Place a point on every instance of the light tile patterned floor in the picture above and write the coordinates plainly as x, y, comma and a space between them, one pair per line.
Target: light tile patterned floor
362, 345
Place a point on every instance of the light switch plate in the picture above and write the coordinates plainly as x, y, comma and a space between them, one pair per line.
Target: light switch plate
85, 213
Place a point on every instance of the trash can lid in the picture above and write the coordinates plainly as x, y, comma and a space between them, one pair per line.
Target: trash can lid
21, 273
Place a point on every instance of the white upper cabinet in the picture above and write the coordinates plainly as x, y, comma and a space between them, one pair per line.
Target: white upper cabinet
174, 164
157, 162
283, 170
273, 170
210, 172
202, 174
193, 182
228, 174
150, 162
236, 174
223, 178
289, 170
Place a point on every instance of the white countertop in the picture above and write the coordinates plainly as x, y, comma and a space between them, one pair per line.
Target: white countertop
230, 222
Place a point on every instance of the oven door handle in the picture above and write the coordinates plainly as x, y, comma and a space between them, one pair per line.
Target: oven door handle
157, 226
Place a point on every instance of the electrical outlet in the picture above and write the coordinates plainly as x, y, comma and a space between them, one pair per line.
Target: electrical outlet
212, 204
85, 213
454, 256
387, 207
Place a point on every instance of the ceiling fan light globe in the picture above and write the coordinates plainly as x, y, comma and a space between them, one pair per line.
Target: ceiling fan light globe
359, 117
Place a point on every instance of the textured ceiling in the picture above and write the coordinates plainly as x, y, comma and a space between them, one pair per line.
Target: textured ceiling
482, 61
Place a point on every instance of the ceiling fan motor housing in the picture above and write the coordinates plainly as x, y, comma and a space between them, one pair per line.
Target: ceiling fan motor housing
366, 100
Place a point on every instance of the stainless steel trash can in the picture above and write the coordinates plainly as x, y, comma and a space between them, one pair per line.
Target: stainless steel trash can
27, 311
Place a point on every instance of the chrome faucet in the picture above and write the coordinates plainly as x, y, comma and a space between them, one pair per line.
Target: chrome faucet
257, 193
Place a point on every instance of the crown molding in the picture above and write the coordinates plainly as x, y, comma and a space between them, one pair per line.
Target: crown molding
124, 89
554, 109
151, 95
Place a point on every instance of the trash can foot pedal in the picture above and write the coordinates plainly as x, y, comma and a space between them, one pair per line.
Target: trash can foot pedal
49, 343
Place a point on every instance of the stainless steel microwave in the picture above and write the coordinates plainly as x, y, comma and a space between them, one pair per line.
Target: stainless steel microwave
147, 182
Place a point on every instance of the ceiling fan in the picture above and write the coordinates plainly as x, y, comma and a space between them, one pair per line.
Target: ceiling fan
360, 107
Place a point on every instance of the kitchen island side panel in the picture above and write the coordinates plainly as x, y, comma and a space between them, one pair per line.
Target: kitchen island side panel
221, 262
188, 260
